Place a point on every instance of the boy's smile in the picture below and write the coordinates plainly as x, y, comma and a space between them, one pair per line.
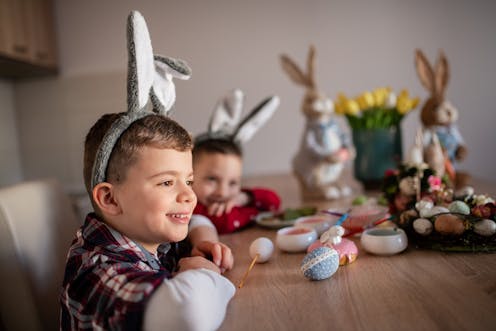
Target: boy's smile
156, 199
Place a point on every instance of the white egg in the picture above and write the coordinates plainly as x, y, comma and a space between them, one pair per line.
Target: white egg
263, 247
485, 227
422, 226
424, 204
434, 211
425, 212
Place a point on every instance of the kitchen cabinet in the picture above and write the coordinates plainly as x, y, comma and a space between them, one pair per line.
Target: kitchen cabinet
27, 38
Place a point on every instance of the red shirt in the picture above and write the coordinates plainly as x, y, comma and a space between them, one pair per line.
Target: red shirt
240, 216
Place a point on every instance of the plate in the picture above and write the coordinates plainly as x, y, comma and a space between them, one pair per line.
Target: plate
270, 220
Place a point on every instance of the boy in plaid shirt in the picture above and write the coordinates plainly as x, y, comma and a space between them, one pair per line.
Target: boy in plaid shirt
125, 270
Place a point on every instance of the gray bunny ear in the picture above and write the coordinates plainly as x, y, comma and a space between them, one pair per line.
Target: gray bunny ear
163, 94
141, 69
227, 113
255, 120
149, 76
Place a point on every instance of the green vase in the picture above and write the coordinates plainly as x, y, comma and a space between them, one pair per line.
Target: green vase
377, 150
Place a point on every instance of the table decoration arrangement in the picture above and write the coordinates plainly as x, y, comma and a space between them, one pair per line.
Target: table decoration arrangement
434, 215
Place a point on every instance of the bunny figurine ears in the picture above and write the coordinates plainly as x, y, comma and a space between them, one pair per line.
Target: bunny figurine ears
149, 85
226, 122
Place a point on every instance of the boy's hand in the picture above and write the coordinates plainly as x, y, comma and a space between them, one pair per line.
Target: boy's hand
219, 208
196, 262
220, 254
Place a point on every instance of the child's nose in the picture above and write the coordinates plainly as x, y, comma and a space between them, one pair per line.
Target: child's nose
221, 191
187, 195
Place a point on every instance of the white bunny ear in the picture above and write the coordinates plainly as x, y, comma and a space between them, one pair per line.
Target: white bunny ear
227, 113
163, 94
256, 119
141, 69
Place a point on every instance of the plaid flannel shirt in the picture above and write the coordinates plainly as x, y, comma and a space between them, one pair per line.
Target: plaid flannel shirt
109, 278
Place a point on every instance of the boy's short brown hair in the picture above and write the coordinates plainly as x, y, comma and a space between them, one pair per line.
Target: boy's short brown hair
152, 130
216, 145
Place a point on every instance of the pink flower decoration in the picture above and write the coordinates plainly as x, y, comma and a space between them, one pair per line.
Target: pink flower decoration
434, 183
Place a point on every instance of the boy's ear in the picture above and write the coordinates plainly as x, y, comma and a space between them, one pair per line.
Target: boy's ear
103, 195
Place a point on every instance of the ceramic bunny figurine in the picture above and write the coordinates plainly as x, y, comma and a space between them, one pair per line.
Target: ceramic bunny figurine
325, 147
226, 121
439, 116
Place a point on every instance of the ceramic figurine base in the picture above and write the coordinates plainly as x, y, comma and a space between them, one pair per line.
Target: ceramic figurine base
318, 193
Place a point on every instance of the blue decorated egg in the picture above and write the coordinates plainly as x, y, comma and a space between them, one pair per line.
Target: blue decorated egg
321, 263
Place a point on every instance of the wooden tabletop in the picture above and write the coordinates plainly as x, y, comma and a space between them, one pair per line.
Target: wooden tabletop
414, 290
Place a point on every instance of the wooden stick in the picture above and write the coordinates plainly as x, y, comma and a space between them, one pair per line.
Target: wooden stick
247, 271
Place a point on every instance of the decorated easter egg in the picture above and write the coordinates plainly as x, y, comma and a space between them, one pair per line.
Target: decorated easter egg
460, 207
347, 250
485, 227
423, 226
263, 247
321, 263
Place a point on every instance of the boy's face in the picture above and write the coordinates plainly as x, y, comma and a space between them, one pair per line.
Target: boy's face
156, 197
217, 177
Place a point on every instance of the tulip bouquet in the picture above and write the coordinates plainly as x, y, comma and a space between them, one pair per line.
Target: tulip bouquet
380, 108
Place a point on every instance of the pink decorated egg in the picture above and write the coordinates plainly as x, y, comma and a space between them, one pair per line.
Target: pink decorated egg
346, 249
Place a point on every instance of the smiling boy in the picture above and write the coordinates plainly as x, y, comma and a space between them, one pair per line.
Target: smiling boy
125, 270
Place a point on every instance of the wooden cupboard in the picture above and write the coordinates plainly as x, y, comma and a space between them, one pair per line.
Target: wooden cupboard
27, 38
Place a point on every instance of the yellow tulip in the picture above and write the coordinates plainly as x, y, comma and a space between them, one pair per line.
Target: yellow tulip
404, 105
380, 95
340, 104
352, 107
415, 102
365, 100
339, 108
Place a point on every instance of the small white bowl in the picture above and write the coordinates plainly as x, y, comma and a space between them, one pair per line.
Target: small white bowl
295, 239
384, 241
320, 223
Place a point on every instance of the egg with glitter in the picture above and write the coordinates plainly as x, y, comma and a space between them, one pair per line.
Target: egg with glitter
459, 207
321, 263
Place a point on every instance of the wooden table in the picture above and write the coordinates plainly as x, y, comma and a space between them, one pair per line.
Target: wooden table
414, 290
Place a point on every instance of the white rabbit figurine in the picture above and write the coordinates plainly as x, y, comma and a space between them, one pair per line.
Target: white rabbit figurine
325, 147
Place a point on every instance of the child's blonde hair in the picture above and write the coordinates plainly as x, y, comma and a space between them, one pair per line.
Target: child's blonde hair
152, 130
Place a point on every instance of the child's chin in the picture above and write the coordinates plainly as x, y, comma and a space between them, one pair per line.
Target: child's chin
179, 235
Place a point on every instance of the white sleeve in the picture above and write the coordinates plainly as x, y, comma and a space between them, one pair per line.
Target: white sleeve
194, 300
199, 220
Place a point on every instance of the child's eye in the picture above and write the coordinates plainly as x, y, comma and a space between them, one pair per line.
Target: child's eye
211, 179
167, 183
189, 182
233, 184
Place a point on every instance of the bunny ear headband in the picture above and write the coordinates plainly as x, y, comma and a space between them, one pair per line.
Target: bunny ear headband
149, 85
226, 122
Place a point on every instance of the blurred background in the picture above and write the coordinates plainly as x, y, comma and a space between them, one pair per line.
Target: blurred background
361, 45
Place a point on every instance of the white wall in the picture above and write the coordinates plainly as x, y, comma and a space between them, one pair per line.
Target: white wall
360, 45
10, 161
